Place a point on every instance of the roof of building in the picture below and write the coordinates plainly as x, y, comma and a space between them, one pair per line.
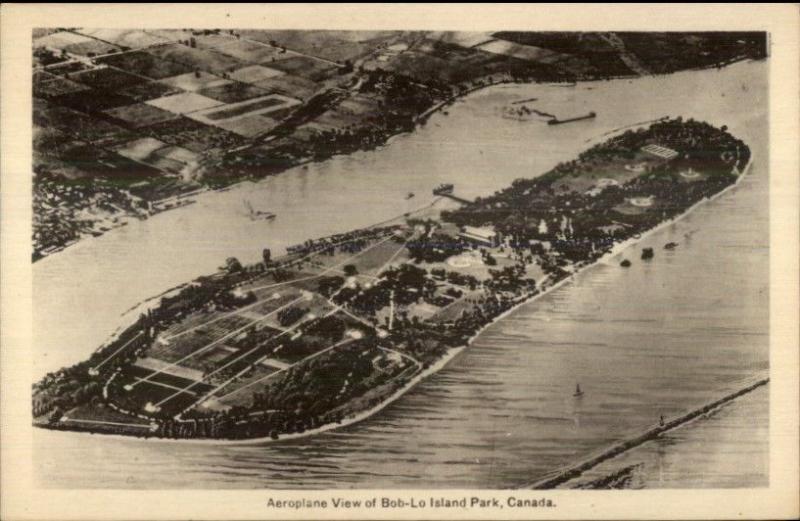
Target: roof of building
483, 233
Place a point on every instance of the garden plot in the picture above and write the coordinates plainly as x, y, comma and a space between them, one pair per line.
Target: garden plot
145, 64
255, 73
194, 81
140, 115
133, 39
184, 103
60, 40
207, 60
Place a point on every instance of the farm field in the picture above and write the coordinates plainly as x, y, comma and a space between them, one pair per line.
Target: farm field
207, 60
140, 115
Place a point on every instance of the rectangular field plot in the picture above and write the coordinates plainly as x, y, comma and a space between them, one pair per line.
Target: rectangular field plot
248, 126
60, 40
92, 100
207, 60
145, 64
106, 78
132, 38
256, 106
200, 337
184, 103
194, 81
232, 92
255, 73
369, 260
290, 85
91, 48
77, 124
178, 371
55, 86
193, 135
314, 70
140, 115
251, 382
140, 149
179, 393
250, 52
148, 90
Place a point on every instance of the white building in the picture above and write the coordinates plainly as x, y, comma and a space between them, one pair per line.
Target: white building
484, 236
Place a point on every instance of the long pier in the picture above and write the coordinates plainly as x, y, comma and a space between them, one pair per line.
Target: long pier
457, 198
576, 470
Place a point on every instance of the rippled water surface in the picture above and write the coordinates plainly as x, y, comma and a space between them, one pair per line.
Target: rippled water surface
658, 338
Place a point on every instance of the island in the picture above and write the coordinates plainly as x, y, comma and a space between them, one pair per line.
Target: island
128, 123
340, 326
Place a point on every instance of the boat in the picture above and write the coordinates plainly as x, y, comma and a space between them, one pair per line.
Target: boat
410, 195
556, 121
442, 189
578, 391
258, 214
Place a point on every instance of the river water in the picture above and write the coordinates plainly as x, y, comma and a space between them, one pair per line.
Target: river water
658, 338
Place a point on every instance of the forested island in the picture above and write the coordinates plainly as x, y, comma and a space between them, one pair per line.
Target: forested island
339, 326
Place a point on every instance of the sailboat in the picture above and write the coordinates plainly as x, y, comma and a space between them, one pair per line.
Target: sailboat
257, 214
578, 391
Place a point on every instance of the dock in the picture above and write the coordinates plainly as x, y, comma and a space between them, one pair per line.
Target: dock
556, 121
446, 190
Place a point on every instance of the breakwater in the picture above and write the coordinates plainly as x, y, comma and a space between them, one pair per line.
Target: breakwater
576, 470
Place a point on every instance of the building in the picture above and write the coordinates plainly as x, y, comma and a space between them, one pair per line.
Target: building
659, 151
484, 236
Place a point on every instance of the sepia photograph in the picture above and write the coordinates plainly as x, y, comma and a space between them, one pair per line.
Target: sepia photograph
327, 259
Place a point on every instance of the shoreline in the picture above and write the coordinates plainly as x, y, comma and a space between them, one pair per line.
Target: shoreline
184, 199
453, 352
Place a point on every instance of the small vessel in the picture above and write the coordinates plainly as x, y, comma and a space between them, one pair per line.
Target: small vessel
670, 245
409, 195
578, 391
258, 214
445, 188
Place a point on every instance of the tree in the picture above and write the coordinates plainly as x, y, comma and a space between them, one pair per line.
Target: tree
350, 270
232, 265
266, 254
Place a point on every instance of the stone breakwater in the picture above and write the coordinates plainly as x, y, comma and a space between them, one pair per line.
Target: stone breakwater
576, 470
